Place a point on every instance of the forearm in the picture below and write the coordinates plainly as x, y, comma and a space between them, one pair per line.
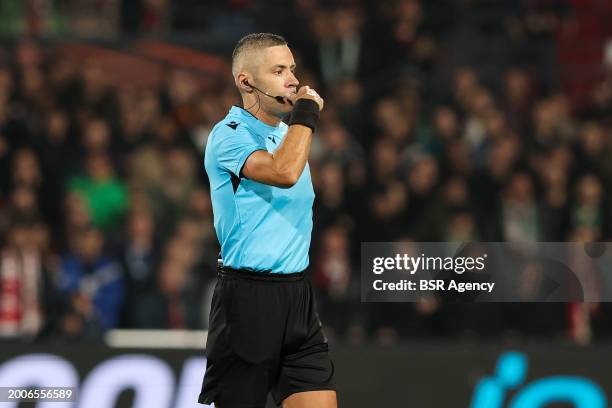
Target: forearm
284, 167
291, 156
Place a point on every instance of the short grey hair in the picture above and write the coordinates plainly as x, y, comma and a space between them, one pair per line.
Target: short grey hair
253, 42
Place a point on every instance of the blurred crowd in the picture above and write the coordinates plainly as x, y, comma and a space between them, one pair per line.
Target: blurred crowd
444, 121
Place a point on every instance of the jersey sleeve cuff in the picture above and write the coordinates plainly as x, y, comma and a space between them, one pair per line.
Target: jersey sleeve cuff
244, 157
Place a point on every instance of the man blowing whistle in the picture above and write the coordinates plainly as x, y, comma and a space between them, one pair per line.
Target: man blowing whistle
265, 334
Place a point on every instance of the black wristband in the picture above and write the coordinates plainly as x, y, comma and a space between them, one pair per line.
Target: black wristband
305, 112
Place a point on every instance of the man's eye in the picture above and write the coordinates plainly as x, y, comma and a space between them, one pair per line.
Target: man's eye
278, 72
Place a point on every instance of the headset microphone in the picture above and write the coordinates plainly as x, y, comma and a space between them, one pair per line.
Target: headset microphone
279, 99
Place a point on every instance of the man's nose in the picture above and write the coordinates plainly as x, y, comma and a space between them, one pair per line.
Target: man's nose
293, 81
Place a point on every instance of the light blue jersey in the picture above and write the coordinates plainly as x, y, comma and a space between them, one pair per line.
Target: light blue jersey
260, 227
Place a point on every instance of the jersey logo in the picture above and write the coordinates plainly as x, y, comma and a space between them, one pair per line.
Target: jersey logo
272, 139
233, 124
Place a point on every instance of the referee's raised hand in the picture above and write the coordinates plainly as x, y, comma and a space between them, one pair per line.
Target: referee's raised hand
306, 92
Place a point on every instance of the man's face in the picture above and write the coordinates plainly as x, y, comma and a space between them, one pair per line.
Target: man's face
275, 75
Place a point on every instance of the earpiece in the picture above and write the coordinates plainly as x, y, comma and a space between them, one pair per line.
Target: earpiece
279, 99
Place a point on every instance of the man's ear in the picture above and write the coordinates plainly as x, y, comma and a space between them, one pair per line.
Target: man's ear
243, 83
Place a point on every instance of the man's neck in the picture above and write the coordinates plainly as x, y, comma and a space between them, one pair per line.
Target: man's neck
262, 115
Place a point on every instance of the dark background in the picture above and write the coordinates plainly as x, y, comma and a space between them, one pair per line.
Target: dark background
464, 120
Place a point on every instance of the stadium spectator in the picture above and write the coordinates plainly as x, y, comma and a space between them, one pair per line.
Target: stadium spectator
93, 284
439, 125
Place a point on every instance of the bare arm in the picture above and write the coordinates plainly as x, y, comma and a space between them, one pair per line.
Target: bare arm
284, 167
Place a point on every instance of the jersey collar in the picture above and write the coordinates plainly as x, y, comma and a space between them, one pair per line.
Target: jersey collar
249, 118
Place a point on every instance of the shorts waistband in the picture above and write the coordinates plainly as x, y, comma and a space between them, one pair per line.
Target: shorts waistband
228, 272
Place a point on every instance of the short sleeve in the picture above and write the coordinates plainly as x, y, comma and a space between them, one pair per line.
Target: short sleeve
233, 147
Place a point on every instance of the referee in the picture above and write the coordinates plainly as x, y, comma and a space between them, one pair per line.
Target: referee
265, 334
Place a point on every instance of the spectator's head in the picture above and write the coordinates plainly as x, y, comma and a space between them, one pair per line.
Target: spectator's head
24, 201
172, 278
561, 105
389, 201
347, 21
141, 226
423, 176
332, 184
96, 136
503, 156
167, 131
58, 124
456, 192
520, 189
264, 61
561, 156
99, 167
392, 120
33, 83
148, 104
180, 164
385, 159
545, 118
589, 190
357, 175
77, 212
601, 93
592, 139
190, 230
495, 124
180, 250
146, 168
408, 96
335, 137
89, 244
41, 236
321, 25
409, 10
19, 236
335, 241
182, 86
93, 78
553, 172
386, 110
408, 15
461, 226
480, 103
517, 87
446, 123
26, 169
29, 234
346, 92
465, 82
28, 54
584, 234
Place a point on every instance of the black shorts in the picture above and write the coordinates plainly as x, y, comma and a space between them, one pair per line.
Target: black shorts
264, 337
